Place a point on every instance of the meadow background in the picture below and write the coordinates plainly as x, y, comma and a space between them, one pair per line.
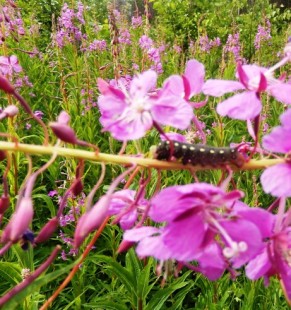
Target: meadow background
62, 48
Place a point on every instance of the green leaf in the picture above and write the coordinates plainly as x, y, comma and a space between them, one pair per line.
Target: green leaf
35, 286
158, 300
11, 272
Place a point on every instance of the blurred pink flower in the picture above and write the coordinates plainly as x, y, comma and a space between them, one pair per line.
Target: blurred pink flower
10, 64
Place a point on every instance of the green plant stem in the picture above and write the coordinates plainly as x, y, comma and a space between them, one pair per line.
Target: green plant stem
252, 164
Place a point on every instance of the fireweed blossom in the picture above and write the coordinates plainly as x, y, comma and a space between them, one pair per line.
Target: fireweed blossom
127, 115
254, 80
9, 65
125, 207
195, 217
276, 179
275, 257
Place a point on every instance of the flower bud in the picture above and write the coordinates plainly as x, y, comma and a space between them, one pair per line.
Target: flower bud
125, 246
47, 231
5, 85
77, 187
2, 155
91, 220
4, 203
19, 222
64, 132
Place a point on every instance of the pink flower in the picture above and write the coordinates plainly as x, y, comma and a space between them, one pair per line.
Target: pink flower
123, 204
8, 65
129, 114
276, 179
253, 80
194, 217
274, 259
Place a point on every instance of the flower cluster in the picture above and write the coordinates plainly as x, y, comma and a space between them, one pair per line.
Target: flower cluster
12, 23
263, 34
233, 46
153, 53
206, 45
69, 24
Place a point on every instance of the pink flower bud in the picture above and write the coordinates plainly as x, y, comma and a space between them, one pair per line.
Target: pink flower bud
5, 85
4, 203
48, 229
91, 220
2, 155
125, 246
19, 222
77, 187
64, 132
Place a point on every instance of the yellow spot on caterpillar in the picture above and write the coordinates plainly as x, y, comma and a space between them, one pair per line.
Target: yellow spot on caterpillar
168, 142
221, 152
176, 144
212, 151
192, 148
202, 150
184, 147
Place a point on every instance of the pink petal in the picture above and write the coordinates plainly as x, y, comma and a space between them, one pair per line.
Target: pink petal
142, 84
263, 83
175, 137
281, 92
184, 237
242, 76
263, 219
211, 262
259, 266
4, 61
217, 88
276, 180
285, 119
241, 230
286, 283
253, 71
173, 86
242, 106
195, 74
130, 127
172, 202
173, 111
137, 234
109, 91
153, 246
279, 140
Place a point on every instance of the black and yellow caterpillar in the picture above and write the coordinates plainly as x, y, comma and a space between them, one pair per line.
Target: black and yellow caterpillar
198, 154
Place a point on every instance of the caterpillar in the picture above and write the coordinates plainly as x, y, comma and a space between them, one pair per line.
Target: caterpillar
199, 154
